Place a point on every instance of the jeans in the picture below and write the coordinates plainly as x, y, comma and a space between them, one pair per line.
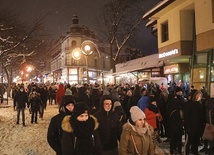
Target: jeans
23, 115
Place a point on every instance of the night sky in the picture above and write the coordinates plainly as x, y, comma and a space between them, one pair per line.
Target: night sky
60, 19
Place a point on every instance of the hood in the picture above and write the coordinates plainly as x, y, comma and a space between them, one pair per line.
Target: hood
67, 126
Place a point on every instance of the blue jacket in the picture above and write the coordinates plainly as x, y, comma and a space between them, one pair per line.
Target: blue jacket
143, 103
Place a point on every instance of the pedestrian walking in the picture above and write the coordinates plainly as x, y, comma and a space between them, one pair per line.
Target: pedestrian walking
80, 136
194, 123
175, 122
54, 134
144, 100
136, 137
21, 100
34, 103
108, 126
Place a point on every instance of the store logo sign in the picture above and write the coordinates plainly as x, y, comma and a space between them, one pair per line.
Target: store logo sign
166, 54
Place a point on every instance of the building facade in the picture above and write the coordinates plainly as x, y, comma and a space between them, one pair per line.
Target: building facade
185, 31
70, 65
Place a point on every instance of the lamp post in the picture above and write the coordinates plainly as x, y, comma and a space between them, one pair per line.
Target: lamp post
87, 48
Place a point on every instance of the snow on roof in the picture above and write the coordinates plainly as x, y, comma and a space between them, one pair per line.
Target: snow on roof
160, 4
146, 62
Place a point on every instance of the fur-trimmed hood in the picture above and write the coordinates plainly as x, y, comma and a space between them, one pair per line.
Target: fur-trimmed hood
67, 126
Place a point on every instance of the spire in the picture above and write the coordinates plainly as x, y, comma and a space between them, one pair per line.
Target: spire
75, 19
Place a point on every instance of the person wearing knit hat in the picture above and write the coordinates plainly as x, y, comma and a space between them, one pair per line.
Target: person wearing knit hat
137, 113
80, 134
54, 134
136, 137
79, 109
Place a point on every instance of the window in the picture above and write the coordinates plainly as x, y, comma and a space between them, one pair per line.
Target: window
199, 74
201, 58
95, 63
164, 32
73, 43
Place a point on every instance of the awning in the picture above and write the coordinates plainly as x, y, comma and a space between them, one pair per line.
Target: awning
147, 62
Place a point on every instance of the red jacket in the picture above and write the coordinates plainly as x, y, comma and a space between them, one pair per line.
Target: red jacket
60, 93
151, 118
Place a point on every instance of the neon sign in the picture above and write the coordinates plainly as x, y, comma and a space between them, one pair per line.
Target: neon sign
166, 54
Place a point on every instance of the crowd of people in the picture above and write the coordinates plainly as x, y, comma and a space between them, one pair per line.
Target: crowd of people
116, 119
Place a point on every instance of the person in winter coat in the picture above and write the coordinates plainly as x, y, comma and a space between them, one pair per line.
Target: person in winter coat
21, 101
14, 91
80, 136
59, 94
136, 137
154, 117
43, 91
133, 100
144, 100
34, 103
175, 124
121, 116
108, 126
194, 122
54, 134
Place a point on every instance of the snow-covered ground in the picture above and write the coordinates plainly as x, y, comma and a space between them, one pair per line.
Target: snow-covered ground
19, 140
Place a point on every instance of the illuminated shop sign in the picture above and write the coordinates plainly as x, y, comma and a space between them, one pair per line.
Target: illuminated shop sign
166, 54
171, 69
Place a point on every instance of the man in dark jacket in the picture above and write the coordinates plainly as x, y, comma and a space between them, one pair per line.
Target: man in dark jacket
54, 134
21, 100
108, 126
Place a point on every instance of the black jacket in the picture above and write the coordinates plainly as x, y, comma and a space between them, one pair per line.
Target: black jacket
80, 138
54, 134
108, 128
21, 98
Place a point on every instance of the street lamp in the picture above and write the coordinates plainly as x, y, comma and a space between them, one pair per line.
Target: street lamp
87, 48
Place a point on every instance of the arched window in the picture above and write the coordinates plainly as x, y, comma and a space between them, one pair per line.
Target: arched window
73, 43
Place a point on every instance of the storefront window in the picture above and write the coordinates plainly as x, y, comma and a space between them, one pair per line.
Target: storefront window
201, 58
212, 73
177, 78
199, 75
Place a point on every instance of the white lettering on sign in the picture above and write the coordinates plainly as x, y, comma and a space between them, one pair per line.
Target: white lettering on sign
165, 54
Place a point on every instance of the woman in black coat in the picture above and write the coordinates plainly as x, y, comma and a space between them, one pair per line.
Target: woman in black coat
80, 136
194, 122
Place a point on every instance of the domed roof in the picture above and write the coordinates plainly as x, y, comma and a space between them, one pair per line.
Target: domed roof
81, 30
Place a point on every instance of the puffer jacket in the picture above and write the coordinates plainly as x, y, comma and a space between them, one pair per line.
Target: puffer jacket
144, 144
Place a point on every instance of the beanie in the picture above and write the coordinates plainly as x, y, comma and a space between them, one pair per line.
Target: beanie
67, 99
116, 104
152, 99
178, 89
136, 113
79, 109
68, 91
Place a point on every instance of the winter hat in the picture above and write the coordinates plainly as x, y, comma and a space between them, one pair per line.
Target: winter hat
178, 89
152, 99
67, 99
136, 113
116, 104
79, 109
68, 91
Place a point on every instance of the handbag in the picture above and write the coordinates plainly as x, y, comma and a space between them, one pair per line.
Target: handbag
209, 130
